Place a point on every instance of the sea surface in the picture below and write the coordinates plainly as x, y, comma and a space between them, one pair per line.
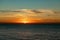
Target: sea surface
29, 31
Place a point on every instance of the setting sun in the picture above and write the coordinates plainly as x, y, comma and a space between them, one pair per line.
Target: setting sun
24, 21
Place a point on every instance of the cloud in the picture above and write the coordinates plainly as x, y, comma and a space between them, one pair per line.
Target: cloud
39, 13
30, 13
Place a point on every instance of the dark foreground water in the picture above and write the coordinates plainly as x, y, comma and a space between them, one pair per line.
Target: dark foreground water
29, 31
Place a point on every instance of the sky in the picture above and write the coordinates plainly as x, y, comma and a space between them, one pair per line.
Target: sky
29, 10
30, 16
29, 4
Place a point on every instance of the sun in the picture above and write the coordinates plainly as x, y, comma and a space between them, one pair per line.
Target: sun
25, 21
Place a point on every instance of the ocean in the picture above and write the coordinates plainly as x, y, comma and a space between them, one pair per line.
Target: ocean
29, 31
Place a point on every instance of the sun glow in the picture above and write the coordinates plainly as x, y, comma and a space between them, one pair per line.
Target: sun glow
25, 20
28, 20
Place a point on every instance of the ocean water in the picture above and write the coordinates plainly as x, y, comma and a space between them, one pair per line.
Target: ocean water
29, 31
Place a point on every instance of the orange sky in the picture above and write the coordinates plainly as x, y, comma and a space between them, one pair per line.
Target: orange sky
30, 20
30, 16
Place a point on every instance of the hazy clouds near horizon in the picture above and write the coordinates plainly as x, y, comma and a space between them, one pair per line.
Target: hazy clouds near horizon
30, 13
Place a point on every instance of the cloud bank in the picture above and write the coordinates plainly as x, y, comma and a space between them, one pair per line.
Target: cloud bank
30, 13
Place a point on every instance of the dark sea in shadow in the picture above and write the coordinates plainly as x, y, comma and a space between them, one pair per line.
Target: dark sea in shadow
20, 31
